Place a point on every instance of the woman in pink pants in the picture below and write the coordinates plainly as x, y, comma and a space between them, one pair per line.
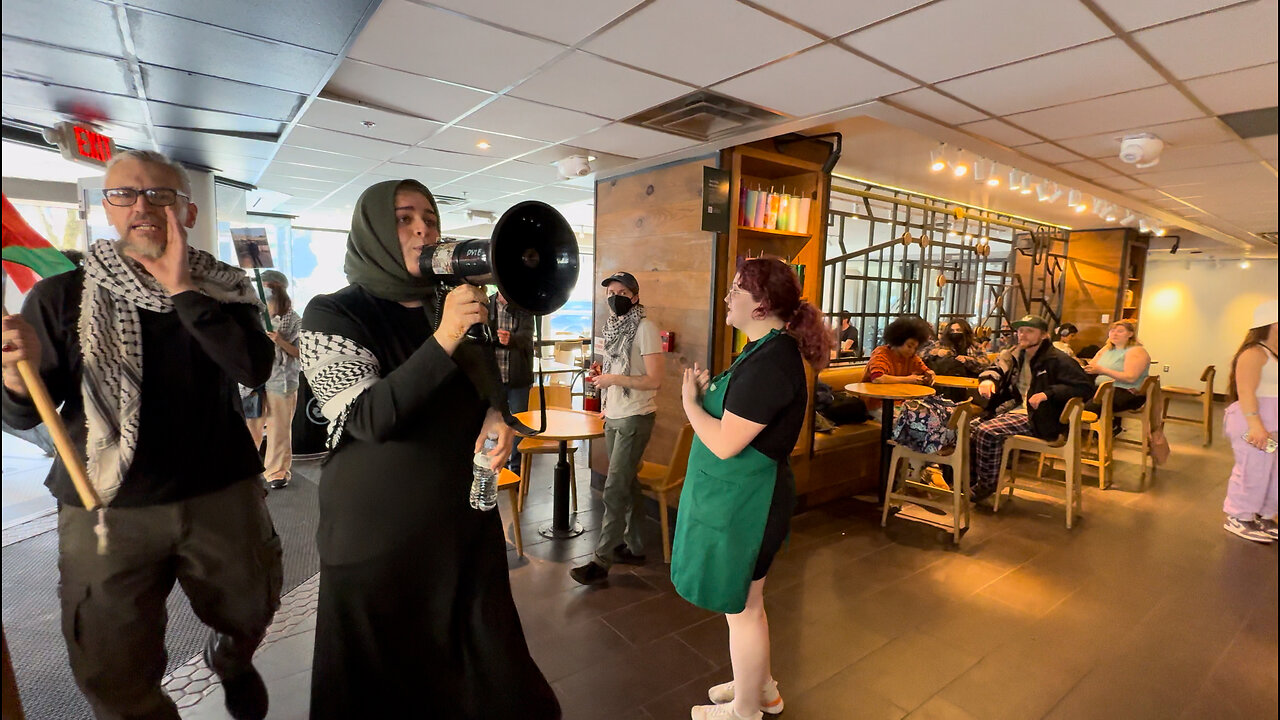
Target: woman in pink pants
1251, 425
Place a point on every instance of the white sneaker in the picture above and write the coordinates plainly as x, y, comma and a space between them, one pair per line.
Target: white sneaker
1268, 526
719, 712
770, 700
1247, 529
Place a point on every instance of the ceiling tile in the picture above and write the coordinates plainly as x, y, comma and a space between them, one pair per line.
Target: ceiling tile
630, 141
228, 166
1203, 131
400, 171
168, 41
1149, 194
320, 158
1119, 182
440, 44
1236, 91
45, 64
540, 173
948, 39
51, 98
1048, 153
65, 23
558, 194
565, 21
1000, 132
470, 193
494, 184
403, 92
1240, 36
1132, 109
1136, 14
212, 144
1184, 158
349, 118
166, 115
1241, 172
582, 81
124, 134
513, 116
322, 25
344, 143
837, 17
824, 78
430, 157
1087, 169
937, 106
1265, 145
308, 172
1079, 73
203, 91
702, 42
463, 140
285, 183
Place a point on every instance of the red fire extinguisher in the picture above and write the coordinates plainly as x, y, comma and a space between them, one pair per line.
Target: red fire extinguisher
591, 393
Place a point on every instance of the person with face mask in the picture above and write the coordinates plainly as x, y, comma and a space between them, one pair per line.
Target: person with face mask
956, 353
632, 373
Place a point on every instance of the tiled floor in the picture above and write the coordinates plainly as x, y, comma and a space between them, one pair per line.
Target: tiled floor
1147, 609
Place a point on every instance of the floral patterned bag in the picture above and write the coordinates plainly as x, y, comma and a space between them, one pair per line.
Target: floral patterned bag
921, 424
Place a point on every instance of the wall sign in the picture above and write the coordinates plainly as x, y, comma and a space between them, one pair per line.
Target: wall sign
715, 200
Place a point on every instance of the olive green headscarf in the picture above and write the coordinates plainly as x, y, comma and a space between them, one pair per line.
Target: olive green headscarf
374, 259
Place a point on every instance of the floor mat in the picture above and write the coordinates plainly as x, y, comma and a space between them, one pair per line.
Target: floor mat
31, 615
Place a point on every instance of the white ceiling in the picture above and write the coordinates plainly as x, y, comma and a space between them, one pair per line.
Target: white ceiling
1046, 85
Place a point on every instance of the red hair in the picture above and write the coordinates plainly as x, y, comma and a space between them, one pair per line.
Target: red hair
775, 286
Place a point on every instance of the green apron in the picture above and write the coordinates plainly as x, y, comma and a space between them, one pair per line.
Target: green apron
723, 509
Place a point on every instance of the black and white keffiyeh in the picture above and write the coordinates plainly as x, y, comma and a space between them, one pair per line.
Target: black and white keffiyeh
110, 330
619, 335
338, 371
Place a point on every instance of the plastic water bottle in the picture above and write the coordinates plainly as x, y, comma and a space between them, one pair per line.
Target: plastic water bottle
484, 481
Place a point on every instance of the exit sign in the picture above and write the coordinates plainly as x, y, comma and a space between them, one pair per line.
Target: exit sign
82, 143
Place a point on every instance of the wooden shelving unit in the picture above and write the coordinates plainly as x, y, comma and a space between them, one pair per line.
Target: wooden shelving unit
799, 171
1106, 271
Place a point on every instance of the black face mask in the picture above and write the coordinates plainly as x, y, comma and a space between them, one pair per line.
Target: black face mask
955, 338
620, 304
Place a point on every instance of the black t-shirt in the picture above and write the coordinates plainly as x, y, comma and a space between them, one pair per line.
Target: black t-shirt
769, 388
851, 333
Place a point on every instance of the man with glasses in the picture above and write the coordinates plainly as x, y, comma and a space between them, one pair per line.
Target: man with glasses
143, 347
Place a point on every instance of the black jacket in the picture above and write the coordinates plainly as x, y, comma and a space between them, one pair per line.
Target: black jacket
520, 349
1053, 373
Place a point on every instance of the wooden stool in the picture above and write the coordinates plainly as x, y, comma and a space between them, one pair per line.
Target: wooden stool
1101, 429
1206, 400
1151, 416
1066, 447
956, 457
662, 479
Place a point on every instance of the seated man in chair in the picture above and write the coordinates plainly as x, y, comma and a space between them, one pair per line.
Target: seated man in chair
1026, 389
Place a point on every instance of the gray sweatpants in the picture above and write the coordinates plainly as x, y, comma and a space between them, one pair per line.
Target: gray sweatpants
625, 439
220, 546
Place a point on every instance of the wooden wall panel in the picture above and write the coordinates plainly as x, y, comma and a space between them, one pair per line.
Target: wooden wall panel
1093, 283
650, 224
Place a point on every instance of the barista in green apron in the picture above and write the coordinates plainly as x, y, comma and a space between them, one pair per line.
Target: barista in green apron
738, 495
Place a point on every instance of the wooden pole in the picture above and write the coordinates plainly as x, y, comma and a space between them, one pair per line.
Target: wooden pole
61, 440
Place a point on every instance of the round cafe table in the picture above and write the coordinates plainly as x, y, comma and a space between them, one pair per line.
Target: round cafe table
563, 426
956, 381
888, 392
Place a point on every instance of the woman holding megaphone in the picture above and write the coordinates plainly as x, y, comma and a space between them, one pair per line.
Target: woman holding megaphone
415, 609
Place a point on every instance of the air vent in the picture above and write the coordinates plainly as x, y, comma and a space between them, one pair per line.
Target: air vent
1268, 236
448, 199
703, 116
1252, 123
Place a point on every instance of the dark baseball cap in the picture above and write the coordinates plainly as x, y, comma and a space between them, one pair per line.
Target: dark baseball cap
627, 279
1031, 321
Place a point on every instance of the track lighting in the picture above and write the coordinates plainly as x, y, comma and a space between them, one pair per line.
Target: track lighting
938, 158
1015, 180
960, 166
1110, 214
1160, 232
1074, 200
981, 170
1132, 220
1024, 184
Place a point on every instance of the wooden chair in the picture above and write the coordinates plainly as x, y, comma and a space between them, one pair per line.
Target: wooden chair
512, 483
1101, 429
1066, 447
1151, 416
558, 396
1205, 396
662, 479
956, 457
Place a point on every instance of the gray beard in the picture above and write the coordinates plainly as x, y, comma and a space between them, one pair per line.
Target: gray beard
144, 249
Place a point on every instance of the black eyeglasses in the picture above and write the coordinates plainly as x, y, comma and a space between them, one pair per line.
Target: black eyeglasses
158, 196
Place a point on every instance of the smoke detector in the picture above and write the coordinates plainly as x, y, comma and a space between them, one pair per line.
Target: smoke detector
1142, 150
574, 166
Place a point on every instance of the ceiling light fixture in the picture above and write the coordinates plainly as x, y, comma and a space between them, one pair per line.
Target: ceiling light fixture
369, 124
1015, 180
1055, 192
483, 145
1074, 199
981, 170
1044, 190
1111, 214
1160, 232
938, 158
1244, 264
1131, 219
1024, 184
960, 167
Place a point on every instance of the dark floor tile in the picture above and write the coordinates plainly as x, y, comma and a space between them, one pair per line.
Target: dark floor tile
627, 681
656, 616
709, 638
677, 702
910, 668
561, 651
1016, 681
840, 698
938, 709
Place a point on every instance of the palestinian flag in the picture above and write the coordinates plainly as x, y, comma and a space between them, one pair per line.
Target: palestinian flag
27, 255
